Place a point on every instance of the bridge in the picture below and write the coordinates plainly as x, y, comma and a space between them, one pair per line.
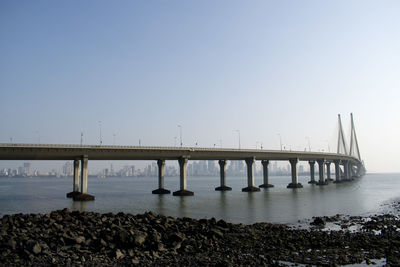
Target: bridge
347, 162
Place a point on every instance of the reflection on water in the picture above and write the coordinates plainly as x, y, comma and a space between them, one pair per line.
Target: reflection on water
79, 205
133, 195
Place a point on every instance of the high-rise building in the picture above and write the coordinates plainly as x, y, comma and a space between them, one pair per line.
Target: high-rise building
301, 168
67, 169
211, 167
27, 168
240, 166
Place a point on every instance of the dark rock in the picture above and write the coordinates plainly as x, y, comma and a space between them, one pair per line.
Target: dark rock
222, 224
318, 221
176, 237
217, 233
12, 244
80, 239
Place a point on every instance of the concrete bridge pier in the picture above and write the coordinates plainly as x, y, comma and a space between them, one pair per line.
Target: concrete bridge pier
75, 188
321, 169
161, 170
312, 172
222, 171
84, 196
265, 164
328, 172
353, 171
337, 171
346, 170
182, 167
295, 181
250, 176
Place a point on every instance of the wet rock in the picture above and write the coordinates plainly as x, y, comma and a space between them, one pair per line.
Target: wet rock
318, 221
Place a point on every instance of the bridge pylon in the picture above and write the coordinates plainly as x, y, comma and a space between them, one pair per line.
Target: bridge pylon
341, 139
354, 149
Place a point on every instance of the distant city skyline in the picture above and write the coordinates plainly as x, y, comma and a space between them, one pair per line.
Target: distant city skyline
261, 73
150, 169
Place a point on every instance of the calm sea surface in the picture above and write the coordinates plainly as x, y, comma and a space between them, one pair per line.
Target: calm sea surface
364, 196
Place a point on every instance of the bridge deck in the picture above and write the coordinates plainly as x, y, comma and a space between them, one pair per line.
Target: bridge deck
94, 152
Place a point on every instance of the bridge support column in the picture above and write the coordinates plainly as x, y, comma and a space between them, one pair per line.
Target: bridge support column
346, 170
352, 173
295, 182
222, 171
328, 172
312, 172
75, 188
265, 164
161, 169
250, 176
182, 167
337, 171
321, 169
83, 196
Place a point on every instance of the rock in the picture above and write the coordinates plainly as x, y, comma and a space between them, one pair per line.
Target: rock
103, 243
130, 252
12, 244
139, 238
80, 239
223, 224
123, 236
318, 221
217, 233
119, 254
36, 249
176, 245
176, 237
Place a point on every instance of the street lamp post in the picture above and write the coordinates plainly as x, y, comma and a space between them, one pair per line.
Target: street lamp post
280, 140
329, 148
180, 134
101, 138
239, 136
38, 136
309, 143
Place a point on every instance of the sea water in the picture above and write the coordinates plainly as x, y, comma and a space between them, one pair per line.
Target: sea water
363, 196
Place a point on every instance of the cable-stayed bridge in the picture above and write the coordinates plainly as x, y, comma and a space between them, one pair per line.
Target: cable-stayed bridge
347, 161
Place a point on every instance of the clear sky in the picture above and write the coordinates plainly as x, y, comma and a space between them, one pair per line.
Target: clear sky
213, 67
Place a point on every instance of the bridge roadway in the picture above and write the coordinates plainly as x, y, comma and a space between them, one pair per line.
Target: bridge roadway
81, 153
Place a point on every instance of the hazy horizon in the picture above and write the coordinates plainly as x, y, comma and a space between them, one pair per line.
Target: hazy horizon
265, 68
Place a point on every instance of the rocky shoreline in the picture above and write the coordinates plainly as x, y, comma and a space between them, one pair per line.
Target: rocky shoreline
87, 239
